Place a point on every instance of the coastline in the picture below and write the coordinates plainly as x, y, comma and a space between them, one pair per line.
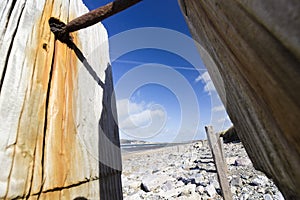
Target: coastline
144, 149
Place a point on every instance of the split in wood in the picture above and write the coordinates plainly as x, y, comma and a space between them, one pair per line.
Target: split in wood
62, 31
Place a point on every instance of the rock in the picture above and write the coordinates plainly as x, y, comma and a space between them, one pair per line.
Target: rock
231, 160
131, 184
211, 191
233, 189
251, 50
199, 178
136, 196
259, 181
213, 181
167, 186
261, 190
152, 182
188, 189
170, 193
193, 196
200, 189
51, 107
198, 145
279, 196
245, 176
236, 181
244, 196
242, 162
180, 183
268, 197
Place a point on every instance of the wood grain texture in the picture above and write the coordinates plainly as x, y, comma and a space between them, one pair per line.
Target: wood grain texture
216, 147
51, 105
252, 55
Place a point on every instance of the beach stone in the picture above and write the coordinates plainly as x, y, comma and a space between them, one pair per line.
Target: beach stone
268, 197
193, 196
233, 189
261, 190
180, 183
244, 196
259, 181
242, 162
198, 145
150, 183
167, 186
188, 189
211, 191
231, 160
133, 197
279, 196
236, 181
199, 178
170, 193
245, 176
200, 189
215, 183
131, 184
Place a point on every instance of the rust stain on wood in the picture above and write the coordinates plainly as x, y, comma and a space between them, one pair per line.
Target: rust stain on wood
61, 135
60, 132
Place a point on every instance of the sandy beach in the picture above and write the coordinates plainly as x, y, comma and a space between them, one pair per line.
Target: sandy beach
187, 171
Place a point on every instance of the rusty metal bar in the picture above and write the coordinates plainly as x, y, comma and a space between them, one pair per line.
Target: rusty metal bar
99, 14
62, 30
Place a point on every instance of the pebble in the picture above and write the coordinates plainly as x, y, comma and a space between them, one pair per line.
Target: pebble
259, 181
167, 186
242, 162
211, 190
236, 181
152, 182
200, 189
268, 197
279, 196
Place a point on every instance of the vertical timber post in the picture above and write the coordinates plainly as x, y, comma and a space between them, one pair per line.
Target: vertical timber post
218, 156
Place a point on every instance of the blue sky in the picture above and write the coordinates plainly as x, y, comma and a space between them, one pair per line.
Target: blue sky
163, 91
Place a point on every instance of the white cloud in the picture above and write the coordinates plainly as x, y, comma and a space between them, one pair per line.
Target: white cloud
222, 120
126, 107
140, 119
199, 78
205, 78
219, 108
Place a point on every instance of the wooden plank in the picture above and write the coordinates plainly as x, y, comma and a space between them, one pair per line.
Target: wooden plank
217, 152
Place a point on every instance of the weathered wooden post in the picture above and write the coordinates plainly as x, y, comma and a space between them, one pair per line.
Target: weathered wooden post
252, 54
56, 107
220, 163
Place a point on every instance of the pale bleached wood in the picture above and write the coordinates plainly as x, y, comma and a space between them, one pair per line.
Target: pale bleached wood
51, 105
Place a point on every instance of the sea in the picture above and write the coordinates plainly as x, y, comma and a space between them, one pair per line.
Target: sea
142, 147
